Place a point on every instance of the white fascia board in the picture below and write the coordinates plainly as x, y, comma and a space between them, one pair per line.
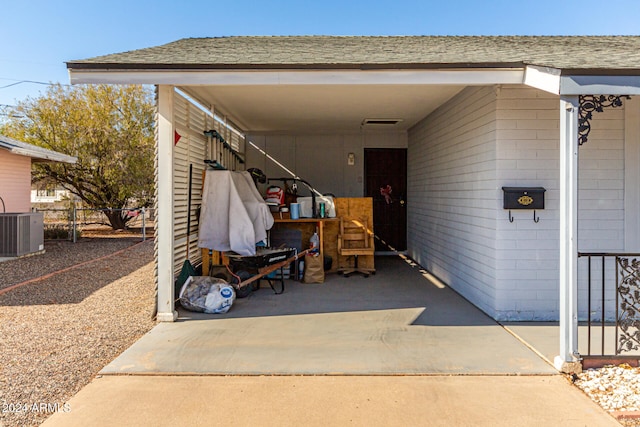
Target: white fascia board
600, 85
42, 155
543, 78
301, 77
60, 158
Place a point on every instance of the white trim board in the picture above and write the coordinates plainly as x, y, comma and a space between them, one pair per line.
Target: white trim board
600, 85
551, 80
311, 77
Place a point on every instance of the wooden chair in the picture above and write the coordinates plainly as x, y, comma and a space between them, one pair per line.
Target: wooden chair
355, 239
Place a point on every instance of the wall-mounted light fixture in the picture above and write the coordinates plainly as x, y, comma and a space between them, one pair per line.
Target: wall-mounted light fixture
351, 159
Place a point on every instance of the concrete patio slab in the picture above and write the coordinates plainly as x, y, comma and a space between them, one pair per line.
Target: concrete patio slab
396, 322
545, 336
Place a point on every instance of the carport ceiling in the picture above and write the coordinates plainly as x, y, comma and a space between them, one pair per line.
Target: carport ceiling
322, 108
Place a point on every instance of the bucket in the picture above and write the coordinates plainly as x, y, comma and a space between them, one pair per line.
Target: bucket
294, 209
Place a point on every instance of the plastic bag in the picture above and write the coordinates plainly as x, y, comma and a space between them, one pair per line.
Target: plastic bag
206, 294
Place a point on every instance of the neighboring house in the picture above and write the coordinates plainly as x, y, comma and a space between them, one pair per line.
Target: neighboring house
47, 194
15, 171
470, 115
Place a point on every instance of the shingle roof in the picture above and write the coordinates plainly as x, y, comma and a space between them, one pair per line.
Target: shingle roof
576, 53
36, 153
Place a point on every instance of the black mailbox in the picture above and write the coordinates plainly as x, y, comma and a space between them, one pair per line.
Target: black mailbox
523, 198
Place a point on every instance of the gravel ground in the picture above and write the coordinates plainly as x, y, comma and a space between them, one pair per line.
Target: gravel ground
615, 388
57, 333
59, 255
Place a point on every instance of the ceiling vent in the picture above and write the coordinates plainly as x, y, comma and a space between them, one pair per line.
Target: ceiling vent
380, 122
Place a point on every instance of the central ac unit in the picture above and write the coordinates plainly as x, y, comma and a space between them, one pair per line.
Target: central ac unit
21, 233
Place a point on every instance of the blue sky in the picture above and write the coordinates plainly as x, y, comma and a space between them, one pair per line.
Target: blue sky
38, 36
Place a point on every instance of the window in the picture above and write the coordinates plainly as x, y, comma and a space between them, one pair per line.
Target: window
46, 192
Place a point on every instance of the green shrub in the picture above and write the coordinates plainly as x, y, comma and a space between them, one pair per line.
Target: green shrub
58, 232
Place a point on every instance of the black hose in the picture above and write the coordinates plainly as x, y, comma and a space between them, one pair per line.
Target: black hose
4, 208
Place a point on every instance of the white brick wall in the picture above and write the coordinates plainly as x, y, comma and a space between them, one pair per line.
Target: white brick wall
601, 184
527, 253
462, 155
601, 217
451, 194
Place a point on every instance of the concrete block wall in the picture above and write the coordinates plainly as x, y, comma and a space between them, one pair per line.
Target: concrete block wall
527, 144
601, 216
452, 196
601, 184
462, 155
528, 155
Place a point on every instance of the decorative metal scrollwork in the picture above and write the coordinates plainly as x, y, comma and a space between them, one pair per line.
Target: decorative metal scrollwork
594, 103
628, 319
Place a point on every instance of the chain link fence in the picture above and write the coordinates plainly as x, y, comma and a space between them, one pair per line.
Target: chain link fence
72, 222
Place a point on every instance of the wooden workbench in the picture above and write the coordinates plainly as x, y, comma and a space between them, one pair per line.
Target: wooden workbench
327, 232
328, 229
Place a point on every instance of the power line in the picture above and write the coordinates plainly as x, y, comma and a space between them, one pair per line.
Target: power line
29, 81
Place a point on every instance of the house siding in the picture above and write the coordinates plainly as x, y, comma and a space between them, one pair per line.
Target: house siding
462, 155
193, 147
452, 194
15, 182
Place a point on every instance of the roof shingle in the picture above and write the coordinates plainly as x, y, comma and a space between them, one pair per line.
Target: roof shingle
563, 52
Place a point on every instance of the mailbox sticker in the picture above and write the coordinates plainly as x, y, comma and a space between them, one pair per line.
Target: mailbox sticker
525, 200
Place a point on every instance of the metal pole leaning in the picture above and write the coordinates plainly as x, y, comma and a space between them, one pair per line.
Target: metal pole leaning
144, 228
75, 239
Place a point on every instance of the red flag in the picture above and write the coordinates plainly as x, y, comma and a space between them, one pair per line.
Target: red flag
176, 137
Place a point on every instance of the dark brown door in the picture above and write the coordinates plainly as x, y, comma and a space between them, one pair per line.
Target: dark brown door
385, 171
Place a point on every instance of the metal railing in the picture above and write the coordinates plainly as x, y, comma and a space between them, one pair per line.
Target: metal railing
612, 302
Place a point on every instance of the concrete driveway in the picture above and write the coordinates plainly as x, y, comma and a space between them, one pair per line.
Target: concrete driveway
392, 349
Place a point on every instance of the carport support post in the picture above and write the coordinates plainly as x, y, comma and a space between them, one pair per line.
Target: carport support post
164, 203
568, 360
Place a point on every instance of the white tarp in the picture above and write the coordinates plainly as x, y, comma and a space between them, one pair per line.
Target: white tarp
234, 217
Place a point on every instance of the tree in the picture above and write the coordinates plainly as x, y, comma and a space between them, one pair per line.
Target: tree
109, 128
